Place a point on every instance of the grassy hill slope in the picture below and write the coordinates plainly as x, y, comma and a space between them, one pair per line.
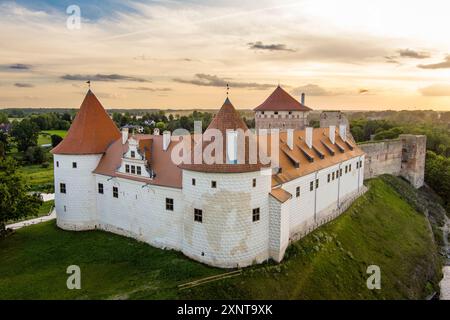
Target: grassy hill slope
379, 228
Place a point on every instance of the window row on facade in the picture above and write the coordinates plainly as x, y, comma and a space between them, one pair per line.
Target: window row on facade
214, 183
133, 169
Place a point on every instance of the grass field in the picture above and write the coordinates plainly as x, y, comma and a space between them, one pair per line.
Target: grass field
45, 136
379, 228
61, 133
37, 177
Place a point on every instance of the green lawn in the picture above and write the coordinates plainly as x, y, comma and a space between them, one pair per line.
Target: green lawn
61, 133
44, 139
379, 228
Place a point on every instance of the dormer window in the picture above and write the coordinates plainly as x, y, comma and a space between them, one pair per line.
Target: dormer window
133, 154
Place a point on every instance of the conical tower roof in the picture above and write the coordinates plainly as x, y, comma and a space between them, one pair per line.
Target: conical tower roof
280, 100
227, 118
91, 132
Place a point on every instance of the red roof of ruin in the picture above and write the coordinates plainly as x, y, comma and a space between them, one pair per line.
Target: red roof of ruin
280, 100
91, 132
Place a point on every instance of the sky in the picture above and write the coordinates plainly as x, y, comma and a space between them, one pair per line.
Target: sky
347, 54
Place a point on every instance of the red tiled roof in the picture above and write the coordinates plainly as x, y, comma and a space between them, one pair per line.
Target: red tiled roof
280, 100
91, 132
280, 194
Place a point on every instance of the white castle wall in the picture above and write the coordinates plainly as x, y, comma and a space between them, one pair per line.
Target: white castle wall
140, 211
76, 209
227, 237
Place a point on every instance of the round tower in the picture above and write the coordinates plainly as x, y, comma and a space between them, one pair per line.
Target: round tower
75, 158
226, 216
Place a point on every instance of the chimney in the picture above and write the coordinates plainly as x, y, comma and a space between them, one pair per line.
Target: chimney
303, 98
124, 135
332, 134
166, 140
290, 138
343, 131
309, 136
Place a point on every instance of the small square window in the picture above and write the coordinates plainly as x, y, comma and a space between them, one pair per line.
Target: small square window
193, 182
276, 112
127, 168
62, 187
290, 112
138, 170
74, 165
254, 183
213, 184
329, 177
198, 215
169, 204
297, 192
317, 183
100, 188
115, 192
311, 186
255, 215
133, 169
57, 164
133, 154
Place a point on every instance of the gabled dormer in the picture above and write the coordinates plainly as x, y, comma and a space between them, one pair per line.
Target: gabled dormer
136, 160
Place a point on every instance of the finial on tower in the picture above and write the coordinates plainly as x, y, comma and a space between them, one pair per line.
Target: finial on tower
228, 89
89, 84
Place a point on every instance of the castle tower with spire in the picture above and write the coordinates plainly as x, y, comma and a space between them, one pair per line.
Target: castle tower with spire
75, 158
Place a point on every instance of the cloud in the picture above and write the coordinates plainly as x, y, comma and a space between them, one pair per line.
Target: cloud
102, 77
436, 90
208, 80
20, 66
440, 65
148, 89
23, 85
408, 53
392, 59
258, 45
312, 90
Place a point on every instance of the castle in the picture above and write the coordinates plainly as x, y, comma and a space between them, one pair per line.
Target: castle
232, 211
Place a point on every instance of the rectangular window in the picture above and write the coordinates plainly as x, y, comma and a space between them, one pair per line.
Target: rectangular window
198, 215
115, 192
169, 204
276, 112
311, 186
74, 165
62, 187
297, 192
346, 169
133, 169
57, 164
138, 170
255, 215
337, 174
340, 172
193, 182
328, 179
317, 183
254, 183
213, 184
133, 154
333, 175
100, 188
349, 167
357, 164
360, 163
127, 168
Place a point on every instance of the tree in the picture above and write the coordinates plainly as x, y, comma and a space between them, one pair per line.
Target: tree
25, 134
161, 125
3, 118
437, 175
34, 155
15, 202
55, 140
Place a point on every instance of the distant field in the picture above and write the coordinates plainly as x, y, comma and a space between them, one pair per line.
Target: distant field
45, 136
39, 178
61, 133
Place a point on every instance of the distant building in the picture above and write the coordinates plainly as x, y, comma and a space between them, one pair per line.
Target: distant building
281, 110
